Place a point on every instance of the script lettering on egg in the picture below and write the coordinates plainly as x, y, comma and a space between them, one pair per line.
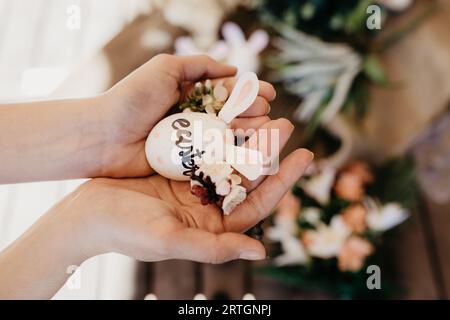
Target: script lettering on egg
185, 144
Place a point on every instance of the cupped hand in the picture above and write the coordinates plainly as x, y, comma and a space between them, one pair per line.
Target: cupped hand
154, 218
137, 103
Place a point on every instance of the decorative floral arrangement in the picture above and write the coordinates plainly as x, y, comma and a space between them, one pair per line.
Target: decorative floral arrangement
326, 54
234, 49
206, 98
327, 230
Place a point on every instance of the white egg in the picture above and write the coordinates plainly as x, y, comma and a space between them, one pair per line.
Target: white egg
181, 139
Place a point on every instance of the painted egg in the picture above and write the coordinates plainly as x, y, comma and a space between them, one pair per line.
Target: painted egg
177, 142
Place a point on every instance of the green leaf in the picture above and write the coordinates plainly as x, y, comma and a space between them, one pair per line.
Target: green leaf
355, 22
396, 182
358, 97
373, 69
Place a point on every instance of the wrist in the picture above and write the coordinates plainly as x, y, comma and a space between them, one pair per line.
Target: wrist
80, 219
100, 131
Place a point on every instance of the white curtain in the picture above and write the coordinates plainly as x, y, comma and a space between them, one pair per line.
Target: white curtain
37, 52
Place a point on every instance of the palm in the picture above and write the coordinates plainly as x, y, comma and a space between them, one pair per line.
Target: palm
173, 224
178, 205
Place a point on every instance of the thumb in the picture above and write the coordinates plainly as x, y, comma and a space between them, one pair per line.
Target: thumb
194, 68
202, 246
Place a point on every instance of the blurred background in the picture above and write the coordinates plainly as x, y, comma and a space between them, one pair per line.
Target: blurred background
367, 84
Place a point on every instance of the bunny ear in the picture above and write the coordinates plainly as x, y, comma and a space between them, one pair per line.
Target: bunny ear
243, 95
248, 162
233, 34
185, 46
258, 41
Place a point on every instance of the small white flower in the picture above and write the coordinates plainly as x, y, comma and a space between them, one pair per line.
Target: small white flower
382, 218
285, 232
235, 179
220, 92
319, 185
282, 228
216, 171
223, 188
208, 84
293, 252
233, 199
210, 109
207, 99
311, 215
326, 241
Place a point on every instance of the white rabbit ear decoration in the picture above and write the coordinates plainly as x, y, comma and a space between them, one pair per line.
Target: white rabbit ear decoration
248, 162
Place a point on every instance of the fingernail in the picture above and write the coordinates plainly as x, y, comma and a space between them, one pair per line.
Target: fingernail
252, 255
268, 109
311, 155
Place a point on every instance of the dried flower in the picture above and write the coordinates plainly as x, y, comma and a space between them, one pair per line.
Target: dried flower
354, 253
216, 183
203, 98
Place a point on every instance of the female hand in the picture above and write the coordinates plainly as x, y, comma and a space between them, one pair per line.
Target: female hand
153, 219
150, 219
104, 136
138, 102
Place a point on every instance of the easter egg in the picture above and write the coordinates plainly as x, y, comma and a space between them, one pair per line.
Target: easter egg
177, 142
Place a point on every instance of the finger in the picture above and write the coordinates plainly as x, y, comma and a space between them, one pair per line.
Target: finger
247, 126
259, 107
260, 203
194, 68
270, 145
266, 90
202, 246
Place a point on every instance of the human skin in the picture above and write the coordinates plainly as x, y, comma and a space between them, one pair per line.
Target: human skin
142, 215
104, 136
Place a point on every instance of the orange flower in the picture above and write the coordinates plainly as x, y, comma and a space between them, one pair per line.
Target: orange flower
288, 207
349, 186
354, 253
308, 238
361, 170
355, 217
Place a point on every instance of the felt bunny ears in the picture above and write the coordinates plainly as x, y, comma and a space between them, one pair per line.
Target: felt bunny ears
243, 95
